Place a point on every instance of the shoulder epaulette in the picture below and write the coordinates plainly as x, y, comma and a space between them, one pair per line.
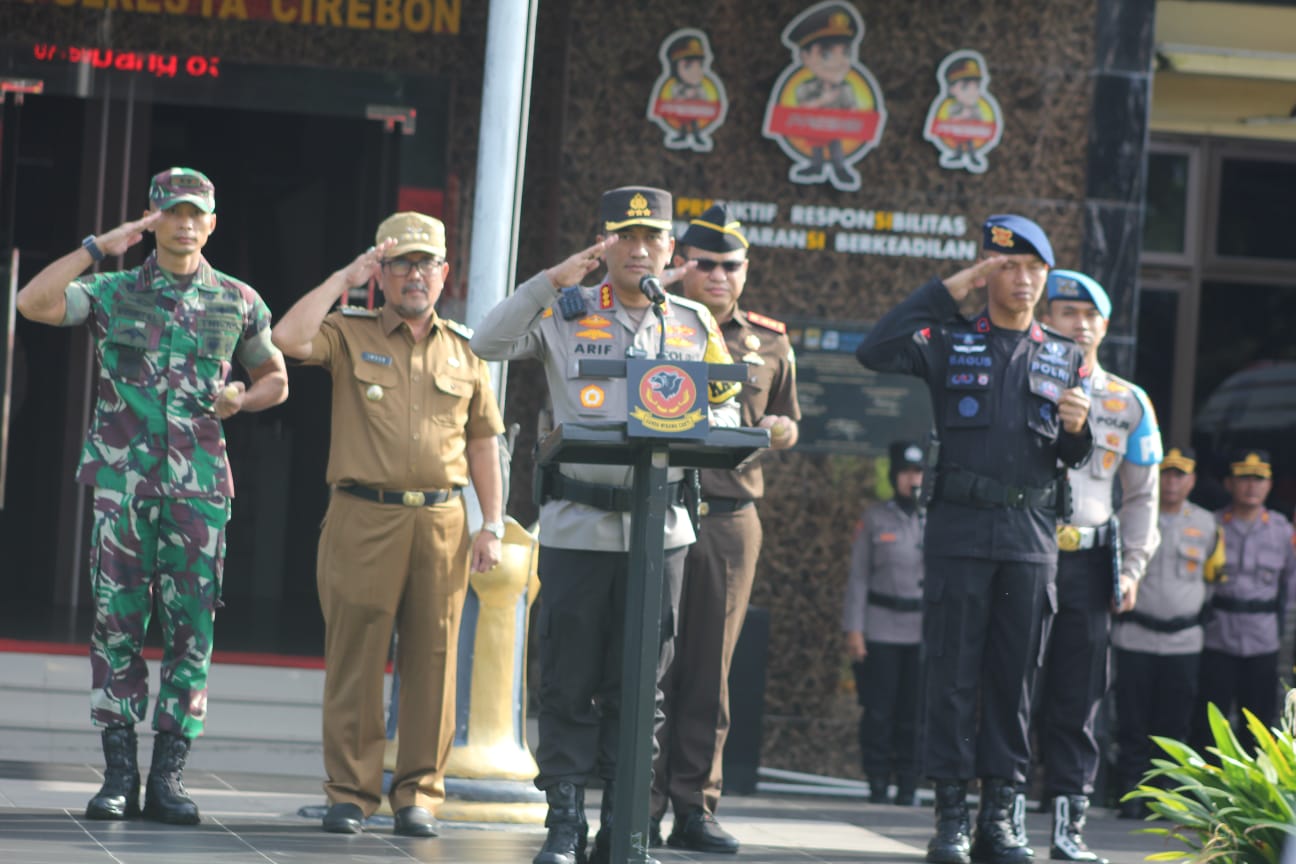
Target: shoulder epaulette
462, 329
768, 323
359, 312
1053, 334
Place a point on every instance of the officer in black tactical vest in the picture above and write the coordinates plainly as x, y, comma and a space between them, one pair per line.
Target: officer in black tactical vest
1008, 410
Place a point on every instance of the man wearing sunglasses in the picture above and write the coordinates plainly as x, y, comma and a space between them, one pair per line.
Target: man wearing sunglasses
414, 417
721, 565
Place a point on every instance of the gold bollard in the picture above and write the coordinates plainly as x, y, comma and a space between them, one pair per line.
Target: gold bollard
490, 771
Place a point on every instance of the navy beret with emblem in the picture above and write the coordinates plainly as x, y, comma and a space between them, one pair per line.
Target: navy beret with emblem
1010, 234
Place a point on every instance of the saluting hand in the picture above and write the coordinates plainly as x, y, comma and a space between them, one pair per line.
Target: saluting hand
1073, 409
580, 265
963, 282
367, 264
126, 235
485, 552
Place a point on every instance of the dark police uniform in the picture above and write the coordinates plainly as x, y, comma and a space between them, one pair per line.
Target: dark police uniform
990, 540
585, 515
884, 605
718, 575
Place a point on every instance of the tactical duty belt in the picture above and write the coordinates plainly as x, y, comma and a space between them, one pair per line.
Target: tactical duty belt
957, 486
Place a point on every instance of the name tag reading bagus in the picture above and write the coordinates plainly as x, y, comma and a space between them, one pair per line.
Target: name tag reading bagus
667, 399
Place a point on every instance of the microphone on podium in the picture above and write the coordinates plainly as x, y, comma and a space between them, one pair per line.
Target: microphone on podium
651, 288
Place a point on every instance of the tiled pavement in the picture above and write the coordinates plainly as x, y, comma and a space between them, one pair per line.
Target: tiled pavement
253, 818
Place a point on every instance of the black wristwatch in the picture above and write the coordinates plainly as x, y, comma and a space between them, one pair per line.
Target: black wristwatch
92, 247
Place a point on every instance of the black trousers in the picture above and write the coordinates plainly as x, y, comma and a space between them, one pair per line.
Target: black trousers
1235, 683
888, 682
1076, 663
1155, 695
581, 628
981, 624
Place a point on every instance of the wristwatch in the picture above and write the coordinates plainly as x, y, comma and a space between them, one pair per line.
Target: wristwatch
496, 528
92, 247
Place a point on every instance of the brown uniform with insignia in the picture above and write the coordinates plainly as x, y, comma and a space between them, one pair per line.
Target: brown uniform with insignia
719, 572
394, 544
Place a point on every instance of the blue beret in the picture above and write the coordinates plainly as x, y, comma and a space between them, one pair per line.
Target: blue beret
1016, 235
1072, 285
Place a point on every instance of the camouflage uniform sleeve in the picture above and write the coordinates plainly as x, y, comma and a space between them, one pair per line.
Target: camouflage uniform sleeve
254, 346
79, 295
483, 410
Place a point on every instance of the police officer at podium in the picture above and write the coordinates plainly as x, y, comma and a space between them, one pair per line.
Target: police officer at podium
1103, 553
1008, 408
585, 509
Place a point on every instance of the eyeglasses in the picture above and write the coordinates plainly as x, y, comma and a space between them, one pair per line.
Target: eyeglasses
404, 266
706, 265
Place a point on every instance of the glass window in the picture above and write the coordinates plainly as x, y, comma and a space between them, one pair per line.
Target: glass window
1246, 382
1166, 217
1255, 209
1154, 365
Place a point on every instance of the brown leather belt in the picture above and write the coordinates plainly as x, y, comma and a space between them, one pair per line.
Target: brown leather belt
711, 506
409, 498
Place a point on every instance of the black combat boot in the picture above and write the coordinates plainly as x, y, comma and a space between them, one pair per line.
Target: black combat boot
118, 798
998, 840
165, 799
951, 844
565, 843
1068, 830
877, 788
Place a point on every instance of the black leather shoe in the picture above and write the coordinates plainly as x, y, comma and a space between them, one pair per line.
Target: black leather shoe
344, 819
414, 822
701, 832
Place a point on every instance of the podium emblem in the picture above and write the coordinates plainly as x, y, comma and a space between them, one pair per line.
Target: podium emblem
666, 400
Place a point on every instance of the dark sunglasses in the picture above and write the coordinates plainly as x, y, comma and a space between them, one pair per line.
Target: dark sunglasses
706, 265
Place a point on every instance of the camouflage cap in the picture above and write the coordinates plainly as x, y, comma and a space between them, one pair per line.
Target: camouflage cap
413, 232
636, 205
177, 185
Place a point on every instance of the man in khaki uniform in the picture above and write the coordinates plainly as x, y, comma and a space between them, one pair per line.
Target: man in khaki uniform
414, 417
585, 509
721, 565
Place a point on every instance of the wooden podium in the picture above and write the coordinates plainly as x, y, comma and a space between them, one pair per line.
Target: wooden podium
650, 457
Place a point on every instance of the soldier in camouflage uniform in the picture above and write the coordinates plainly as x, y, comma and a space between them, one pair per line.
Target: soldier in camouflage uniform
165, 335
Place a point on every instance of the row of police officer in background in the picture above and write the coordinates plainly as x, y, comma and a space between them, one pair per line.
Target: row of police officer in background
1030, 545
